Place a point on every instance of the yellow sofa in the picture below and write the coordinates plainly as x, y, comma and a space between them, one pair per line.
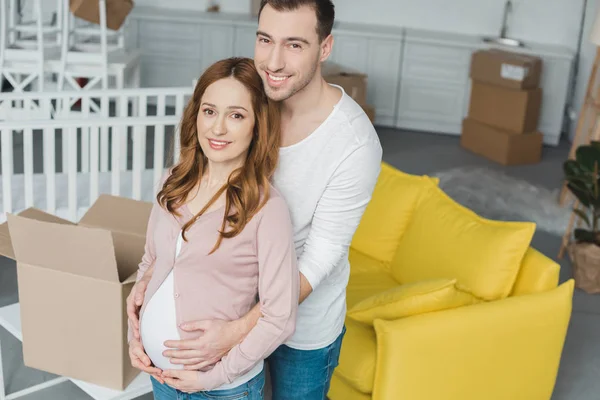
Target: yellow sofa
446, 305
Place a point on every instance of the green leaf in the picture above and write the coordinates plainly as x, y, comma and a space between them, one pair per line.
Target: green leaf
572, 168
581, 214
584, 235
581, 192
587, 156
595, 143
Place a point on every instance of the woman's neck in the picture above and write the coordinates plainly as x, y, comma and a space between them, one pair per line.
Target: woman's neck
216, 174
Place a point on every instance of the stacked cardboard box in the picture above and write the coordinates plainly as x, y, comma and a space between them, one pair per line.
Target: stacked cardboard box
504, 108
353, 82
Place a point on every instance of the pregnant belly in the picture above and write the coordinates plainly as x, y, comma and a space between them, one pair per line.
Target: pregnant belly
159, 323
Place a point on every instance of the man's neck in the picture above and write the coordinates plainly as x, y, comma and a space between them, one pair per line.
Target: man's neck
308, 100
306, 110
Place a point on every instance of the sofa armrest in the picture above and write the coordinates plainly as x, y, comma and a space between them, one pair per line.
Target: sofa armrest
506, 349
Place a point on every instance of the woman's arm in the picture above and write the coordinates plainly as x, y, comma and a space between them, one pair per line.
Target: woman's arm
278, 286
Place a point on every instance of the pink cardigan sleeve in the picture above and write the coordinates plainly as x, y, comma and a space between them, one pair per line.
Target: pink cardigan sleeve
279, 291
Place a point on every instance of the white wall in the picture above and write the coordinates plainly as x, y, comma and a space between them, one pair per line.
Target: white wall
545, 21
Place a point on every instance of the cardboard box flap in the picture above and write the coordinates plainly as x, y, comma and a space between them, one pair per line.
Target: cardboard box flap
6, 248
118, 214
62, 247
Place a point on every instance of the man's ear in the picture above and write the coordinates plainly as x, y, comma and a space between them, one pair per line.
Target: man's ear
326, 48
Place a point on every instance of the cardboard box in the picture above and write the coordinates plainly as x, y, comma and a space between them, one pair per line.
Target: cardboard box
73, 283
501, 146
512, 110
353, 82
370, 111
506, 69
89, 10
255, 7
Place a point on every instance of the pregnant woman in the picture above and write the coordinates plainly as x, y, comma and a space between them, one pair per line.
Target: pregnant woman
219, 239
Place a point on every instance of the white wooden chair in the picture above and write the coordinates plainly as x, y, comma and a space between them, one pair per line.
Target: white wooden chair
97, 53
26, 47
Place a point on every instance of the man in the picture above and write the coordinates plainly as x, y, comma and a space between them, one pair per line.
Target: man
329, 162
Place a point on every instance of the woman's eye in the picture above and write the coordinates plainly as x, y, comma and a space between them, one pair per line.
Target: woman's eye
208, 111
238, 116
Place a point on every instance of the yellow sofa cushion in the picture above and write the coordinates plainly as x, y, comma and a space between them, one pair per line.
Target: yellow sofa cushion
364, 285
358, 356
388, 212
410, 299
361, 263
447, 240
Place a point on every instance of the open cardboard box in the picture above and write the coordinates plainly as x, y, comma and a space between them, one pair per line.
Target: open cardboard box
353, 82
73, 282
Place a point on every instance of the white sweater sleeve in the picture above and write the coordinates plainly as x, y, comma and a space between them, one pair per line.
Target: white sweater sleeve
339, 211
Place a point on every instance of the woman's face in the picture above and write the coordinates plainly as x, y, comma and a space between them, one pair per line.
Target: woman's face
225, 122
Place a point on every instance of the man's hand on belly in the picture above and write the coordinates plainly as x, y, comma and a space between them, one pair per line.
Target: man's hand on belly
215, 339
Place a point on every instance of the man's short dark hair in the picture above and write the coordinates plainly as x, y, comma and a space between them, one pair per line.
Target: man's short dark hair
323, 8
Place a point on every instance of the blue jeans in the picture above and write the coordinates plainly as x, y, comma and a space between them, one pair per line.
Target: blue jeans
251, 390
303, 374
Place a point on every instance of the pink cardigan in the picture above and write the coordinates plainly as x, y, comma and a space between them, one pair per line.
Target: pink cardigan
261, 261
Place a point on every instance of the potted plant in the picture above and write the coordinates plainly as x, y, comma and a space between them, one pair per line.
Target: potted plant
582, 176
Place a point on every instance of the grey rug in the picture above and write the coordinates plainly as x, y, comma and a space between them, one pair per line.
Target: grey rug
498, 196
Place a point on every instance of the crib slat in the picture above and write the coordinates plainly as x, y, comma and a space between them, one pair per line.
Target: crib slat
139, 149
179, 113
7, 168
160, 105
50, 169
143, 113
159, 142
28, 166
104, 134
115, 168
72, 172
85, 136
122, 132
137, 161
94, 167
65, 114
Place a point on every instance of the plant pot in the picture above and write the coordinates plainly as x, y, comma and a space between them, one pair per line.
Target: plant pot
585, 258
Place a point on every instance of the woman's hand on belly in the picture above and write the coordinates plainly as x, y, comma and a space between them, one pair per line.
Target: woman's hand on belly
140, 360
136, 299
184, 381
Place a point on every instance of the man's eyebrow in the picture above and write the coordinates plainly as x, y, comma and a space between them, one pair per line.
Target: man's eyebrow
289, 39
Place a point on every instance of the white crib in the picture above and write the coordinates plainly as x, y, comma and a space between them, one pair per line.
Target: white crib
96, 139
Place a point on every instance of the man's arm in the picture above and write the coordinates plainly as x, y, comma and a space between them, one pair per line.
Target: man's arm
247, 322
334, 223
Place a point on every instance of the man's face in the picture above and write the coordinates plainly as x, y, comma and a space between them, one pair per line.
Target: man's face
287, 51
